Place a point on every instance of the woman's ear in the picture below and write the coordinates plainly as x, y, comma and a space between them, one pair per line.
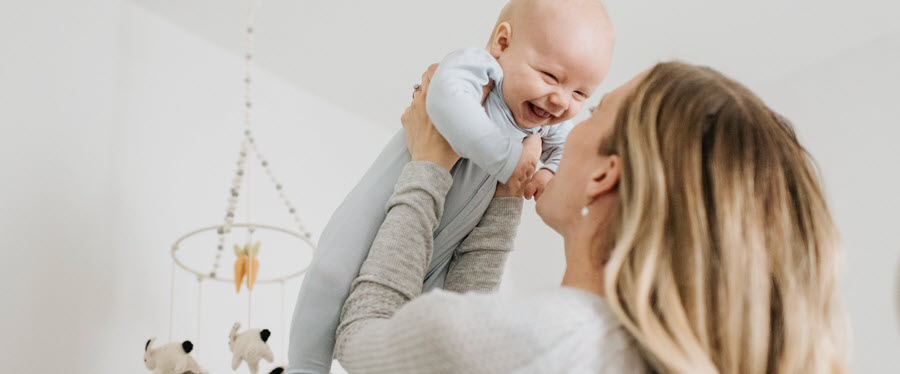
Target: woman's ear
500, 42
605, 178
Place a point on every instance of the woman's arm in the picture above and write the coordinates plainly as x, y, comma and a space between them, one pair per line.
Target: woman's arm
395, 268
478, 263
377, 332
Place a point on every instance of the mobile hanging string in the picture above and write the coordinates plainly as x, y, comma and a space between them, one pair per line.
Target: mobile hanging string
242, 173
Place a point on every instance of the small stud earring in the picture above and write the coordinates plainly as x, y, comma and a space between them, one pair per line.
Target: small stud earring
584, 211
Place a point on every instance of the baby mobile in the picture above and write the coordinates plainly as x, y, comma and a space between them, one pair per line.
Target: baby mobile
251, 345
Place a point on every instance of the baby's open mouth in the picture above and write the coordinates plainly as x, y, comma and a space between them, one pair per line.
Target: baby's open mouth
537, 111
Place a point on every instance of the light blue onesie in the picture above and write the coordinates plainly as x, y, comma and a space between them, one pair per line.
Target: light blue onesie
489, 143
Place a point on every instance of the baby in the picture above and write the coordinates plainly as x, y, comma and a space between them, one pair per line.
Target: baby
544, 59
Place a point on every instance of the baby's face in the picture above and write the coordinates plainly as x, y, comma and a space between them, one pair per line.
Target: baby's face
553, 63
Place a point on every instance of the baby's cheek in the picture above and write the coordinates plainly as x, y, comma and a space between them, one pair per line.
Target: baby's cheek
574, 108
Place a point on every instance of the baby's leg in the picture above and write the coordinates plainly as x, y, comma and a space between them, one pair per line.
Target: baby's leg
342, 248
466, 202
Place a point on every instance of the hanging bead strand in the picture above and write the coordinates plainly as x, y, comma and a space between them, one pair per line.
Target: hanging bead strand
235, 191
248, 102
242, 165
292, 211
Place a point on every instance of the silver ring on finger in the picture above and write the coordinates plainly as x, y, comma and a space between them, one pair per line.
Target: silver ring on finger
416, 88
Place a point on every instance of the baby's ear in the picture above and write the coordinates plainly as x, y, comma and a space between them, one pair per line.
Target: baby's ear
500, 41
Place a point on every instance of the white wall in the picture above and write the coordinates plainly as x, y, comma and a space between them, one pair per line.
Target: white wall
120, 135
58, 77
120, 129
184, 106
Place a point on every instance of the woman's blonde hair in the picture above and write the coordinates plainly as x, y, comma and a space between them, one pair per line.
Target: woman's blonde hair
726, 256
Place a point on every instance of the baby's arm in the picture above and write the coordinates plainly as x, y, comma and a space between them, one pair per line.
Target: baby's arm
454, 104
554, 140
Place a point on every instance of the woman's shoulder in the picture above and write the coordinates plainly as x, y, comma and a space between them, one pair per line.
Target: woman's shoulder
558, 307
541, 332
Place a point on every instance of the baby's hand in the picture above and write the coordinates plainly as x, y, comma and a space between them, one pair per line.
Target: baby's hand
531, 152
535, 187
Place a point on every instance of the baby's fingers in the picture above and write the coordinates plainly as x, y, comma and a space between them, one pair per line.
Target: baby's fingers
538, 192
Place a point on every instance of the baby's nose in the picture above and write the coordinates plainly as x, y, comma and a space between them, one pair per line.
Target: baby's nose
558, 104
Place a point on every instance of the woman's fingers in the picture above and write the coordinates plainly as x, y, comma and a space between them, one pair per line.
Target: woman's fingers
404, 118
423, 141
421, 89
426, 79
426, 76
419, 94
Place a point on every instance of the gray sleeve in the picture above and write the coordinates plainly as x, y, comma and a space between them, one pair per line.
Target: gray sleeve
552, 143
477, 264
375, 334
454, 105
394, 270
439, 332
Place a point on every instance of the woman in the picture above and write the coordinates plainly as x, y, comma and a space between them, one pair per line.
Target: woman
697, 240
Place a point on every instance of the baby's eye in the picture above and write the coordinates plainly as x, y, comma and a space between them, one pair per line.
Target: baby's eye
580, 95
551, 76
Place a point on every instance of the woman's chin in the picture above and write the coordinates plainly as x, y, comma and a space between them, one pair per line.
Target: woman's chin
541, 210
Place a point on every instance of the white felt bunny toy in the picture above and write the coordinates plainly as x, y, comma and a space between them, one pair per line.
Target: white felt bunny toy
249, 346
172, 358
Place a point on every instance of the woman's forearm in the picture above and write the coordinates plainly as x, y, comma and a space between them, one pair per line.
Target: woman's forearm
395, 269
478, 263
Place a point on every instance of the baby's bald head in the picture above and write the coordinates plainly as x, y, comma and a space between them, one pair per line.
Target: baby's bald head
554, 54
525, 14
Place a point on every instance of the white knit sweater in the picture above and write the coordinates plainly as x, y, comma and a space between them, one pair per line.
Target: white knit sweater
387, 327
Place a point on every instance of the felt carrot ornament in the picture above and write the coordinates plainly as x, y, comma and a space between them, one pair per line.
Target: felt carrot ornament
246, 265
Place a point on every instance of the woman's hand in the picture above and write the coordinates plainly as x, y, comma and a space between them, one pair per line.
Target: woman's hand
424, 142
